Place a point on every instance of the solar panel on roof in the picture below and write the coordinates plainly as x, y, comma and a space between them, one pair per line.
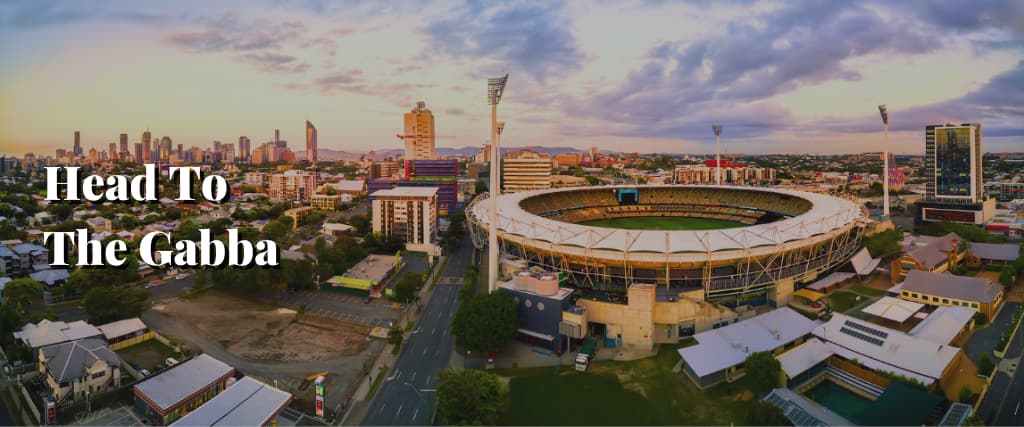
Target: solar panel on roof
861, 336
867, 329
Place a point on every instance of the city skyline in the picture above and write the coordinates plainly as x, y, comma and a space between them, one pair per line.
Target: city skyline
777, 75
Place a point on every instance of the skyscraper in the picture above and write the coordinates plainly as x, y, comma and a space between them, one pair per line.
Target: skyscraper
419, 133
78, 144
165, 148
113, 151
244, 146
124, 147
310, 142
140, 154
147, 147
953, 163
954, 191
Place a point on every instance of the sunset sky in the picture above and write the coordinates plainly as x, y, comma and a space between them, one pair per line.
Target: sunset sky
783, 77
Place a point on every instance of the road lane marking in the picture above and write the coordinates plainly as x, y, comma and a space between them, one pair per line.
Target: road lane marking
429, 377
424, 350
415, 413
382, 407
433, 331
413, 377
399, 411
1016, 409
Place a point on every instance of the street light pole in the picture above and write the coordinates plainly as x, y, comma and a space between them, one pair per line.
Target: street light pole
495, 88
717, 129
885, 162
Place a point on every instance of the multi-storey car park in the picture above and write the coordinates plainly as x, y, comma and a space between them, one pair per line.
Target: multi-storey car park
758, 245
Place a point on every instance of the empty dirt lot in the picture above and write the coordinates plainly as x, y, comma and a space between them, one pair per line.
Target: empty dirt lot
269, 343
256, 331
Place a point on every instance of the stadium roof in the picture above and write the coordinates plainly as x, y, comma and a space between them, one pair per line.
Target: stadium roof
247, 402
183, 380
951, 286
886, 349
895, 309
826, 214
730, 345
944, 324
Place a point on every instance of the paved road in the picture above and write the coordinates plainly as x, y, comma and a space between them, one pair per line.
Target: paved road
407, 395
983, 340
343, 306
1004, 403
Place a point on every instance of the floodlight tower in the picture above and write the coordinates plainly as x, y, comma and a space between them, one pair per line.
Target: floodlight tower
717, 129
501, 128
495, 88
885, 162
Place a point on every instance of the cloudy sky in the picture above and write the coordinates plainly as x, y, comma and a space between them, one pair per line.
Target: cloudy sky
791, 76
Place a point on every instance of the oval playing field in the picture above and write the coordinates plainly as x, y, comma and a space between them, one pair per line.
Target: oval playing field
725, 240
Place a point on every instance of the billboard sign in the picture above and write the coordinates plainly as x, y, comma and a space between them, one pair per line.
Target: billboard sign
318, 389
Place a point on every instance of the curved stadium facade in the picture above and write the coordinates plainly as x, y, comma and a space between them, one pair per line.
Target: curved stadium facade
779, 238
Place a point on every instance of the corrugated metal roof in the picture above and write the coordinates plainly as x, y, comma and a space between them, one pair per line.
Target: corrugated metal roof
181, 381
951, 286
247, 402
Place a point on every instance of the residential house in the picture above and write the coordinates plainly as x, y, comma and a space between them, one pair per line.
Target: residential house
76, 370
935, 254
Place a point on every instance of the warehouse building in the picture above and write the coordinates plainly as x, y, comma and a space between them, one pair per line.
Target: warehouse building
247, 402
170, 395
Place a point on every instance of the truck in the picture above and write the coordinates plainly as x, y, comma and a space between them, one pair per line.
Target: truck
585, 354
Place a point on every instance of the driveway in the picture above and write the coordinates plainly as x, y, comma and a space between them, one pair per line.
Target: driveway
984, 340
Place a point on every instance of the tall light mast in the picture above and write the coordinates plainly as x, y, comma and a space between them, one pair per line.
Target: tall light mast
885, 162
495, 88
717, 129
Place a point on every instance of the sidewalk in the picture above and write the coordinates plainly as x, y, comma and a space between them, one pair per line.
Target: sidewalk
360, 401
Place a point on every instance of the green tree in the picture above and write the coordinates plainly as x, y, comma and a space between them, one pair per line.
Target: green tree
1008, 276
60, 211
361, 223
761, 413
485, 322
104, 304
278, 228
468, 397
985, 364
885, 243
405, 289
764, 371
395, 338
20, 292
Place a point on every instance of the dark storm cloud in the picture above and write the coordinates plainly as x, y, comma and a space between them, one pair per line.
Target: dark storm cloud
528, 38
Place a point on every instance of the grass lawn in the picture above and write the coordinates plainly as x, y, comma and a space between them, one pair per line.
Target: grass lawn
640, 392
147, 354
663, 223
841, 302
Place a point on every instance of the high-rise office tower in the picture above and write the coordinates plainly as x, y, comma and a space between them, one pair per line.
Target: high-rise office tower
147, 147
244, 148
277, 135
78, 144
165, 148
181, 149
124, 147
217, 146
113, 151
140, 153
953, 163
419, 133
310, 142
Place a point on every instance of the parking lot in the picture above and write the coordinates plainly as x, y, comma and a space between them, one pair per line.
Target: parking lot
341, 306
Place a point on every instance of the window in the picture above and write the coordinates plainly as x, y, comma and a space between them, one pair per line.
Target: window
974, 305
945, 300
915, 295
99, 374
905, 293
935, 299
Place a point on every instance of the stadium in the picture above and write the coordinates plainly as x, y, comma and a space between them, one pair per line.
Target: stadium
736, 245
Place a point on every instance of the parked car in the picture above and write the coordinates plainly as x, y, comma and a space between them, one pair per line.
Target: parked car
171, 361
144, 372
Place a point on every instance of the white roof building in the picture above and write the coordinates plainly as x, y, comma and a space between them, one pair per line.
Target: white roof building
247, 402
886, 349
728, 346
895, 309
48, 332
121, 328
176, 384
944, 324
803, 357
